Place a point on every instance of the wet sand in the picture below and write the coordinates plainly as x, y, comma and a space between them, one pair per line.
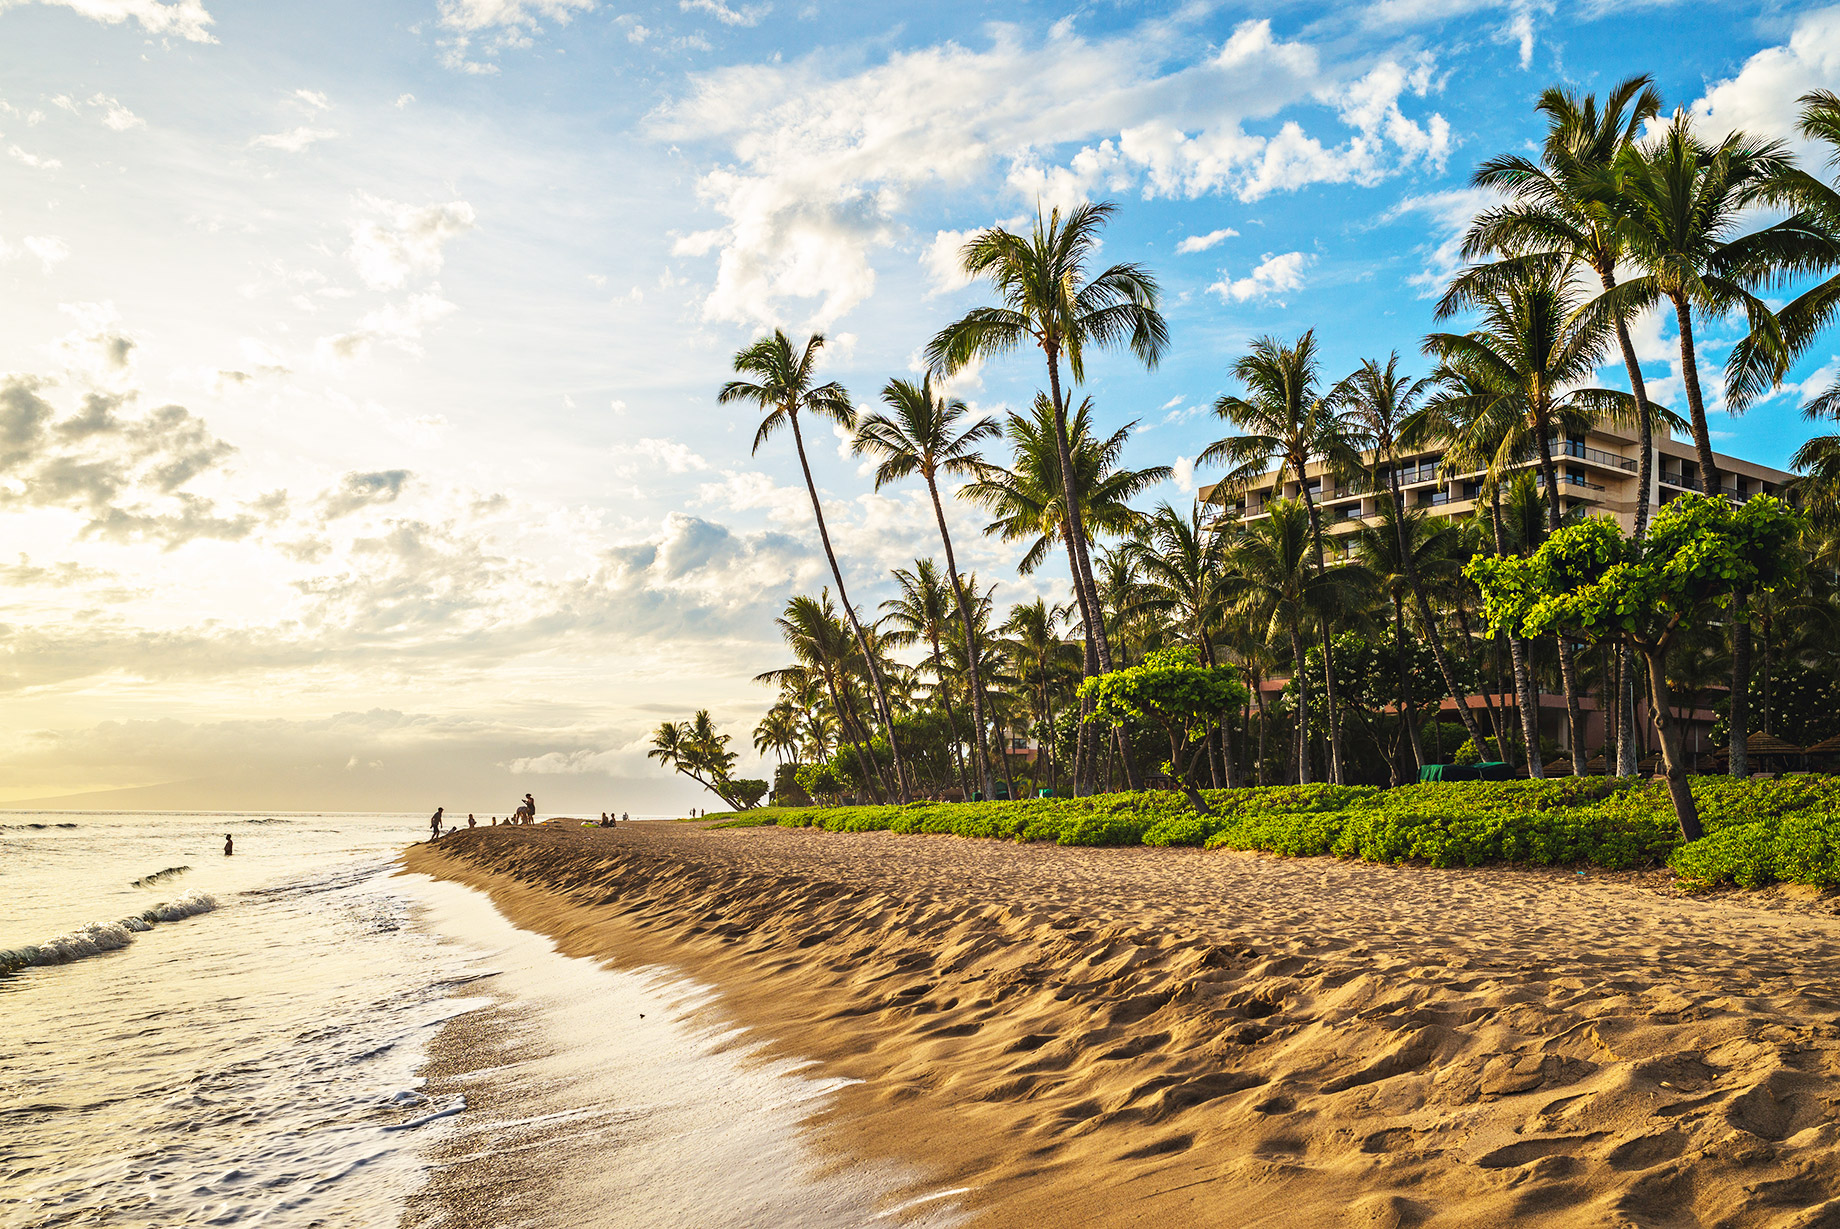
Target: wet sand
1173, 1037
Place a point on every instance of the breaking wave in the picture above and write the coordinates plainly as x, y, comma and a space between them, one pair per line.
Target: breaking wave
171, 872
99, 937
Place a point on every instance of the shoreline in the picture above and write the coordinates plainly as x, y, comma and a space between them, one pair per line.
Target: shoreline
1108, 1036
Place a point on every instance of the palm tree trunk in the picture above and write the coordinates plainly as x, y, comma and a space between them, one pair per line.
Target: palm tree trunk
1568, 663
1768, 668
1517, 651
1626, 691
1405, 686
1258, 698
1740, 689
1410, 563
971, 647
1076, 525
1696, 405
945, 702
862, 642
863, 763
1333, 713
1302, 677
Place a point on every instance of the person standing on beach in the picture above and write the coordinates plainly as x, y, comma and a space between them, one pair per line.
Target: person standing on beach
470, 821
434, 824
530, 809
229, 846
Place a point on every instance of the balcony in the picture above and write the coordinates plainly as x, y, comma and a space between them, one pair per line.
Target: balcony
1352, 513
1569, 480
1424, 473
1597, 456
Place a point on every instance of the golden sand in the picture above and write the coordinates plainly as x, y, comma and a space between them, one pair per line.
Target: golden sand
1172, 1037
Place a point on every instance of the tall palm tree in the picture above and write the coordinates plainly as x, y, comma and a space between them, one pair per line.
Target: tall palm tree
922, 435
821, 644
1682, 203
1271, 573
1045, 663
784, 384
1182, 561
1047, 299
778, 731
1383, 406
1396, 552
1029, 503
923, 611
1284, 417
1527, 361
1567, 206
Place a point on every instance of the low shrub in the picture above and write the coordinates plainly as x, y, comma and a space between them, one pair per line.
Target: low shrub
1758, 832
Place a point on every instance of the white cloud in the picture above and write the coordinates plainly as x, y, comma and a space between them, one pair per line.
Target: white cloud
49, 249
746, 15
944, 271
1201, 243
1450, 213
636, 33
403, 100
503, 24
294, 140
1518, 27
1274, 275
822, 167
1184, 476
652, 455
312, 100
33, 160
400, 240
1761, 99
395, 324
184, 18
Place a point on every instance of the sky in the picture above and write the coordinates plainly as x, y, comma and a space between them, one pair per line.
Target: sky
358, 438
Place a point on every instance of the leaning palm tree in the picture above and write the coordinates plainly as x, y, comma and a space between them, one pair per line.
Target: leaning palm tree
922, 434
1284, 417
1383, 408
778, 731
784, 384
1047, 300
923, 611
1527, 362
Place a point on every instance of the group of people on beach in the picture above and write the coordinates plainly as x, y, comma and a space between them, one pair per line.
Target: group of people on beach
526, 813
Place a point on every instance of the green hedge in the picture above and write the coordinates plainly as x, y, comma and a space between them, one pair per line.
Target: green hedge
1758, 832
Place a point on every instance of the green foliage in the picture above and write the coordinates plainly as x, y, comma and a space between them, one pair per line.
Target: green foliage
787, 792
746, 791
1758, 832
820, 781
1589, 579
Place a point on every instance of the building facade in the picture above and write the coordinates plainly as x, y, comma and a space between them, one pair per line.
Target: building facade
1598, 472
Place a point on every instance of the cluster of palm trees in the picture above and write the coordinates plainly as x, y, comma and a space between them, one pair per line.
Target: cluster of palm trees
1355, 645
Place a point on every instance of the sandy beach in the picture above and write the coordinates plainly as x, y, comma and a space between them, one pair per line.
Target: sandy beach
1174, 1037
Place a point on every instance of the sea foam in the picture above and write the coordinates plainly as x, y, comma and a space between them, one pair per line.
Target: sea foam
99, 937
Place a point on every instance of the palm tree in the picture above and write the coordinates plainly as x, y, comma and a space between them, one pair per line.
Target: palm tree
1284, 417
1030, 506
1383, 406
699, 751
1182, 561
778, 731
1527, 361
1397, 552
1682, 202
1044, 663
1047, 299
923, 611
921, 435
784, 385
821, 644
1271, 573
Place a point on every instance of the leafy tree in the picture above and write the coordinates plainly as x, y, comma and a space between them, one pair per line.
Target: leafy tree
1588, 580
1173, 691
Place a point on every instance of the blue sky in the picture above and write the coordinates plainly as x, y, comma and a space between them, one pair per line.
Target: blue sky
360, 357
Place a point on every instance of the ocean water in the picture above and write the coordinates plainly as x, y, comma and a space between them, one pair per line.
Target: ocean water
190, 1039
